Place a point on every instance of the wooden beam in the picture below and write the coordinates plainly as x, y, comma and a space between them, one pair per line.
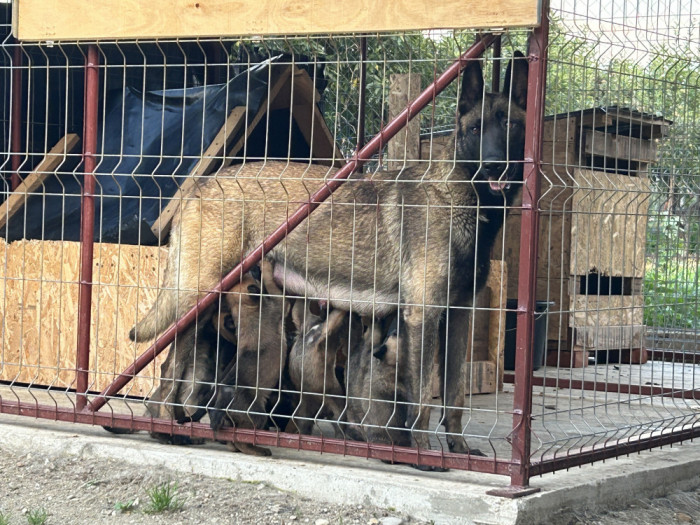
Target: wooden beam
275, 89
120, 19
308, 117
405, 146
619, 146
206, 165
31, 182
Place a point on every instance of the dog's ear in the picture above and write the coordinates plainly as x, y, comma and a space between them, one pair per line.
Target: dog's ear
472, 87
517, 74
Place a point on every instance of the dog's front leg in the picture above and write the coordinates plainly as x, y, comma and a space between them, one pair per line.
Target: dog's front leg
418, 345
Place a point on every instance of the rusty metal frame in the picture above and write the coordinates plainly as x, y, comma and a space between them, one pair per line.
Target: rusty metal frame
87, 224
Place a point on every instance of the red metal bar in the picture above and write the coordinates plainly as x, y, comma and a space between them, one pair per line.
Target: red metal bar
434, 458
527, 271
295, 219
637, 390
87, 224
612, 449
16, 115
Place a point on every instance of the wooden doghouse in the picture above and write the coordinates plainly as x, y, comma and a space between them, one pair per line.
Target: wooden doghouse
39, 279
595, 196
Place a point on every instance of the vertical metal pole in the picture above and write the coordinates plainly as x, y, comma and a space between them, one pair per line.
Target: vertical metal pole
87, 223
16, 115
363, 88
496, 73
527, 271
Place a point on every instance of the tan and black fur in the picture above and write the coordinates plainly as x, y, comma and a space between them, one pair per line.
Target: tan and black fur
320, 348
376, 401
425, 231
251, 381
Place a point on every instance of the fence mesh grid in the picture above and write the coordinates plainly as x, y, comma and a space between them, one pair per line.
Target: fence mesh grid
379, 320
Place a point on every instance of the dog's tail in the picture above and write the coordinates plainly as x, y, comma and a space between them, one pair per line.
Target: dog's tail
159, 317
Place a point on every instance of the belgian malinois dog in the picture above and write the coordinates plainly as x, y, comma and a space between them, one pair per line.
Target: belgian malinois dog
417, 240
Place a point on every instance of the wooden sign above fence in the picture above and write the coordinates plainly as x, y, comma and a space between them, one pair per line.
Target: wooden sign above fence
54, 20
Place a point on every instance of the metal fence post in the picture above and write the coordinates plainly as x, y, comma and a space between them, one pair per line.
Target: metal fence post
527, 271
87, 224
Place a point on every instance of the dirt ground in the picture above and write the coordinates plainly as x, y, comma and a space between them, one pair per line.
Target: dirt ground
88, 491
678, 507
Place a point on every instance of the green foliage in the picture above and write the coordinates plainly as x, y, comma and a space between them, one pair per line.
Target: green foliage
164, 497
124, 507
5, 518
672, 293
37, 516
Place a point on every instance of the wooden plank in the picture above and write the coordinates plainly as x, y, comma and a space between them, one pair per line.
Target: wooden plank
39, 283
619, 146
311, 122
481, 378
405, 146
114, 19
31, 182
608, 224
611, 310
610, 337
211, 157
497, 282
276, 85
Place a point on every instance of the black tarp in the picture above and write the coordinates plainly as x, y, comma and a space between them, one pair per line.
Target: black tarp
147, 145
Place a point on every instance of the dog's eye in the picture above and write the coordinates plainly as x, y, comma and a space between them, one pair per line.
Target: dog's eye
254, 289
510, 124
475, 130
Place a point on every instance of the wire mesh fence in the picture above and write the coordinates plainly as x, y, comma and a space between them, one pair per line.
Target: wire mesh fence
385, 324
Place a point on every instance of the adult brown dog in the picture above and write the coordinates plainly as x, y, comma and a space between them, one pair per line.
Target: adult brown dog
417, 240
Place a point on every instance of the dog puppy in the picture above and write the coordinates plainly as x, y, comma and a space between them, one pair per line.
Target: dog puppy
319, 351
250, 382
194, 361
376, 406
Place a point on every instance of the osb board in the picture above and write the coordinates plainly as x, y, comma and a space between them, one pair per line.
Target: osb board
609, 223
114, 19
610, 337
606, 310
39, 286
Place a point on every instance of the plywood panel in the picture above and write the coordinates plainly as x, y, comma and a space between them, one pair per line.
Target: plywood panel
610, 310
608, 225
610, 337
113, 19
39, 287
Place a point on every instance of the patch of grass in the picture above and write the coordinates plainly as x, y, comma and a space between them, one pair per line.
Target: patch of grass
163, 497
5, 518
37, 516
124, 506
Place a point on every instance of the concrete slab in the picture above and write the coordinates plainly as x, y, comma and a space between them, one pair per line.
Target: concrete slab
449, 498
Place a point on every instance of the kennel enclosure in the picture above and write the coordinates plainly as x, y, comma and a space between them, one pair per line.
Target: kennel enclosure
231, 94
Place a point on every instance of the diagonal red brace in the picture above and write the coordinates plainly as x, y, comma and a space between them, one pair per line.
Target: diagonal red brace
332, 184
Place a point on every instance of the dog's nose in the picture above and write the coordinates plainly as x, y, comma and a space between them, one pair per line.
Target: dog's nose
493, 168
